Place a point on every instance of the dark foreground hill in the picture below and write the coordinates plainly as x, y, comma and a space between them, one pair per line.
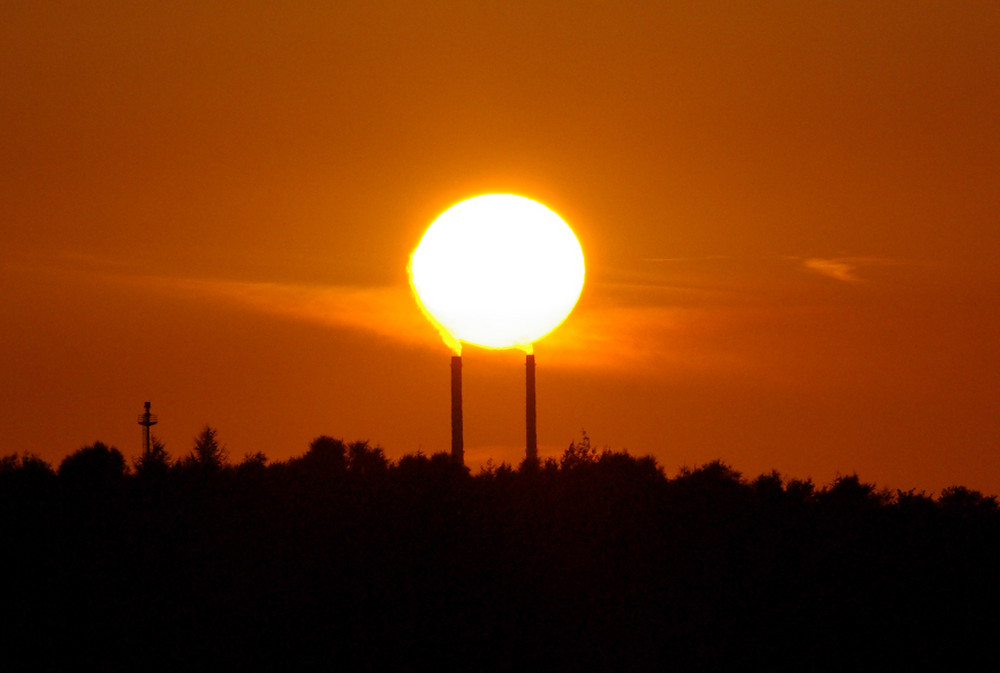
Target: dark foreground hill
341, 560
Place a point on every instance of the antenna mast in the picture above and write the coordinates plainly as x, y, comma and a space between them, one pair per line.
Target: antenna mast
146, 420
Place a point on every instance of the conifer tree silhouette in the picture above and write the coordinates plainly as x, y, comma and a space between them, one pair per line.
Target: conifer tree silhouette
208, 454
156, 462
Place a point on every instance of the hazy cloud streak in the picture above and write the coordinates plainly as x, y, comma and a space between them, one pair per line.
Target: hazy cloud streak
846, 269
385, 311
837, 269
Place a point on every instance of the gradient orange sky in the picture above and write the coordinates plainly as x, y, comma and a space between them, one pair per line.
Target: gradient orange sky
789, 211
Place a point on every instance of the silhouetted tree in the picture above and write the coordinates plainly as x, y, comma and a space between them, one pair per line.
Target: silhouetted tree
715, 471
363, 459
492, 470
623, 464
253, 464
768, 487
208, 455
95, 466
962, 500
343, 559
411, 463
801, 490
25, 466
24, 476
712, 481
850, 491
911, 501
326, 455
578, 453
431, 470
154, 463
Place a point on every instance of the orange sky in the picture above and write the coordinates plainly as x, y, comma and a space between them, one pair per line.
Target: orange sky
789, 211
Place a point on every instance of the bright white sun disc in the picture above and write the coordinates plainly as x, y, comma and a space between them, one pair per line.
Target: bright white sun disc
498, 270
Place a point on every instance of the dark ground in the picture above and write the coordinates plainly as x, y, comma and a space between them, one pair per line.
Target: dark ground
342, 561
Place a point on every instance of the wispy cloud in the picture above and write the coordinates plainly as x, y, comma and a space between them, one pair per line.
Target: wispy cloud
846, 269
704, 258
678, 322
647, 330
385, 311
603, 335
838, 269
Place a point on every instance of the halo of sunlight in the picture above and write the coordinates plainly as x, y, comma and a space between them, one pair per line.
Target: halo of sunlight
497, 270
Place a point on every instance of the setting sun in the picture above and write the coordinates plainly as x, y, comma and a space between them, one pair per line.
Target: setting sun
497, 270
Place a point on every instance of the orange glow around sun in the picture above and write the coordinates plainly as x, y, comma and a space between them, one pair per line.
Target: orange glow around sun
497, 270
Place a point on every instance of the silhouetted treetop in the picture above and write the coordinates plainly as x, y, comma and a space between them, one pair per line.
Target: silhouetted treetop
24, 464
959, 499
366, 460
326, 455
156, 462
24, 473
253, 464
343, 559
96, 466
850, 491
208, 455
578, 453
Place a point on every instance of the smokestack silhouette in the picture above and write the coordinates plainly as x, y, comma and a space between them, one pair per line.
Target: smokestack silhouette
531, 449
457, 443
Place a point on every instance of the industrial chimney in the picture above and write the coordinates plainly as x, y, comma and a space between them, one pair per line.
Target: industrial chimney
457, 442
531, 444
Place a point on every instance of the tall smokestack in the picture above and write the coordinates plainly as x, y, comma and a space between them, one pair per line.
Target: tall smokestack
457, 443
531, 451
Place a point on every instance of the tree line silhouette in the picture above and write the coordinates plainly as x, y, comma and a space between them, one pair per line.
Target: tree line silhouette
343, 558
